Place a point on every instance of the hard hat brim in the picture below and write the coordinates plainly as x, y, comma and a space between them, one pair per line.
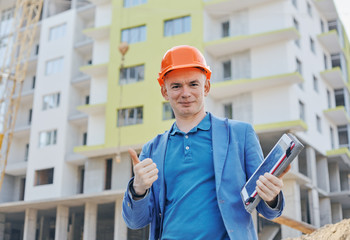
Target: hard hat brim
171, 68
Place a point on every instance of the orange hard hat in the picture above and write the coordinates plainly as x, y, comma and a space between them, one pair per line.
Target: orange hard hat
183, 56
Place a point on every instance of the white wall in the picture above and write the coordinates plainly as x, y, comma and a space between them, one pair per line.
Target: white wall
53, 155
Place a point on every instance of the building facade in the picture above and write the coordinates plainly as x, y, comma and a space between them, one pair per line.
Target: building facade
281, 65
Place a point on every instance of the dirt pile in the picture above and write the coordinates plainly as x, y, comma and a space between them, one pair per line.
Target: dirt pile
338, 231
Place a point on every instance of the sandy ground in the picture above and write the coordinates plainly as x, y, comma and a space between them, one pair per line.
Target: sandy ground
338, 231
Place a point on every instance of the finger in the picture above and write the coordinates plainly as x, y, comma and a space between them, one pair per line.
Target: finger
149, 167
134, 157
268, 187
264, 192
285, 171
152, 173
271, 179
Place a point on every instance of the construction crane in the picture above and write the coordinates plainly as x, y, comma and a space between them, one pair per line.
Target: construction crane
13, 71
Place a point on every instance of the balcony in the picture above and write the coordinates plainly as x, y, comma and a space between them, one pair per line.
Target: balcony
84, 46
16, 168
229, 45
337, 115
98, 33
327, 7
334, 77
222, 90
97, 70
78, 119
22, 131
100, 2
217, 8
93, 109
331, 41
81, 81
286, 126
341, 156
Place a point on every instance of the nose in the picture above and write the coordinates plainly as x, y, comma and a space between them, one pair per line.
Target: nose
186, 92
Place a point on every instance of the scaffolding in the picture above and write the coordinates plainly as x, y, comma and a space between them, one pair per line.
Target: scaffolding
13, 71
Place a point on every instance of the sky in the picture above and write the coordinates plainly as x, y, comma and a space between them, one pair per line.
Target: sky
343, 7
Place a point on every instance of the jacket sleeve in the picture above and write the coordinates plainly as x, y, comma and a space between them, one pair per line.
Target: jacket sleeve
138, 213
254, 157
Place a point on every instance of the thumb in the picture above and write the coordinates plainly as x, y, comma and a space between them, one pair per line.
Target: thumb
285, 171
134, 157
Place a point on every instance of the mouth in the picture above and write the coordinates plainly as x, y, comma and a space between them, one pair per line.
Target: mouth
186, 103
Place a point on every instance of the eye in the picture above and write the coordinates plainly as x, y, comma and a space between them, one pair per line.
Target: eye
175, 86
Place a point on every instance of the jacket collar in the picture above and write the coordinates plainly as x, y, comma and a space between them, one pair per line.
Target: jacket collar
220, 141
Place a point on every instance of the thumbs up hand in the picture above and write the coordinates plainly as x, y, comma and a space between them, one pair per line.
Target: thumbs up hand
146, 173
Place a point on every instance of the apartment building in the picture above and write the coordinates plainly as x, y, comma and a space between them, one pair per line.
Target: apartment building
281, 65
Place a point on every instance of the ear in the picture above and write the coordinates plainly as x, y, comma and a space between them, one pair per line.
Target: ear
164, 92
206, 87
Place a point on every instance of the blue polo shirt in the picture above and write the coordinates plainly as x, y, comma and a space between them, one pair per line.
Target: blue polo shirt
191, 209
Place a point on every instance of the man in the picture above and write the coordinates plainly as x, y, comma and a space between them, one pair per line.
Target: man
188, 180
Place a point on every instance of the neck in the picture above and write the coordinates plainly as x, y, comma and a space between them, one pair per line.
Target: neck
185, 124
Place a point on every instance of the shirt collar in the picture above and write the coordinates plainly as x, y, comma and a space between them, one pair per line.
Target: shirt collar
204, 125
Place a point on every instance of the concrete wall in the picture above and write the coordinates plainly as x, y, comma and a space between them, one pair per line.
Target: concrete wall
94, 175
121, 172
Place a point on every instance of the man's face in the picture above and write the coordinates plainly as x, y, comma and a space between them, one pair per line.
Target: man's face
185, 89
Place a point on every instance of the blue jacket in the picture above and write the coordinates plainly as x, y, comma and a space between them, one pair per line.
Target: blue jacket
236, 153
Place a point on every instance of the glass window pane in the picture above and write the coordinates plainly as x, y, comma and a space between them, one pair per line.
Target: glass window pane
143, 33
168, 25
177, 26
187, 24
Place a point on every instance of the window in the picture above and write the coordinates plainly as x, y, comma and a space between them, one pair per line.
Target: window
339, 97
132, 74
309, 9
343, 136
329, 99
6, 21
225, 29
168, 112
227, 70
47, 138
295, 3
318, 124
336, 61
228, 112
301, 110
299, 66
312, 45
87, 99
333, 25
51, 101
131, 3
325, 60
322, 26
108, 174
331, 132
296, 25
54, 66
57, 32
81, 174
26, 152
22, 189
30, 116
36, 49
134, 35
130, 116
84, 138
44, 176
315, 82
177, 26
33, 82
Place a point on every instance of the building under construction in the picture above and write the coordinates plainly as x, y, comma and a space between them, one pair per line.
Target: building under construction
281, 65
